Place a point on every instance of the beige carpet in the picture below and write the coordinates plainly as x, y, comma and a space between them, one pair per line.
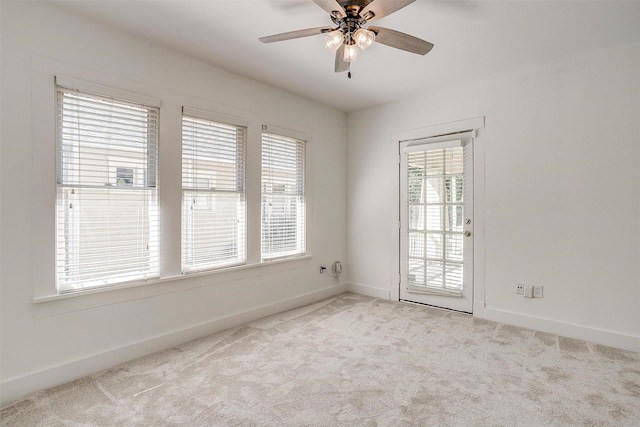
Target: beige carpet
352, 361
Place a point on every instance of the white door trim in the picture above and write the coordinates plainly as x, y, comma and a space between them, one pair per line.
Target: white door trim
473, 124
440, 129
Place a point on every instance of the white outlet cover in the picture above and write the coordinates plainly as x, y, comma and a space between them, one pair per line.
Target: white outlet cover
537, 291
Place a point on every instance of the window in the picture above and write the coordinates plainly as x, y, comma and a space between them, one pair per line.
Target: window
283, 196
106, 214
213, 193
121, 216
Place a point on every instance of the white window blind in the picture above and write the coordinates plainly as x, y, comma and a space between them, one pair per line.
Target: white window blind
435, 196
213, 194
283, 196
106, 214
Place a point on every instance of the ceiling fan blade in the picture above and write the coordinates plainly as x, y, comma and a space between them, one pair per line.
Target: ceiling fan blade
341, 64
400, 40
381, 8
330, 6
295, 34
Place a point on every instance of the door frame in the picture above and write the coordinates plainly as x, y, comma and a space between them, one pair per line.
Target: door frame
468, 125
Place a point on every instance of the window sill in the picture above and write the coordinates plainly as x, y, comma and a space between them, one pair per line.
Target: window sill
51, 305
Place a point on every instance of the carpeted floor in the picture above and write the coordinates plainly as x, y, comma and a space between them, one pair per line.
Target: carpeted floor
354, 360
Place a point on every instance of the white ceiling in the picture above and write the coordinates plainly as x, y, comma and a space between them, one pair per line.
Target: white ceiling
473, 40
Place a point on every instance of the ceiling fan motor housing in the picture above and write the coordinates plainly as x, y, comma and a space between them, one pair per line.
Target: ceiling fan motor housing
352, 4
350, 23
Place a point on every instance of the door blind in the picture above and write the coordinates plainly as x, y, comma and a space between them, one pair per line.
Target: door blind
213, 194
283, 196
106, 214
435, 225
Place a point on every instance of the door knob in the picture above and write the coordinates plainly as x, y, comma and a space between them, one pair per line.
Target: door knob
467, 233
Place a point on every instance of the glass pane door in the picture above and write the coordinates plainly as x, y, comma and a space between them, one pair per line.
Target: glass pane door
435, 222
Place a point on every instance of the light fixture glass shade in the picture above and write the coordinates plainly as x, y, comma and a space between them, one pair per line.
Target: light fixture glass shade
333, 40
364, 38
350, 53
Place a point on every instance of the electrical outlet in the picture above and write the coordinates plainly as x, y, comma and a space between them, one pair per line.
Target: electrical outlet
520, 288
537, 291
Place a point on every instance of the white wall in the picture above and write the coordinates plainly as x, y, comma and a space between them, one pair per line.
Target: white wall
51, 342
561, 157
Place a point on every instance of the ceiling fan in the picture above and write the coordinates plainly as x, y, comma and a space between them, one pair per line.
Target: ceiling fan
350, 18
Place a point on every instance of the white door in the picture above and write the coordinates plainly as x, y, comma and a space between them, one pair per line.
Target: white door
436, 222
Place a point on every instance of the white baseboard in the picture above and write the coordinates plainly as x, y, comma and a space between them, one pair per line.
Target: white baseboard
570, 330
18, 387
369, 291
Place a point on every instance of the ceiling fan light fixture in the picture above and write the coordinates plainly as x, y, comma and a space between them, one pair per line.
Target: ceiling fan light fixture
350, 53
333, 40
364, 38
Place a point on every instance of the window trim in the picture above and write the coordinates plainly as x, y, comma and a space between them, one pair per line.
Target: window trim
106, 91
52, 305
145, 267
